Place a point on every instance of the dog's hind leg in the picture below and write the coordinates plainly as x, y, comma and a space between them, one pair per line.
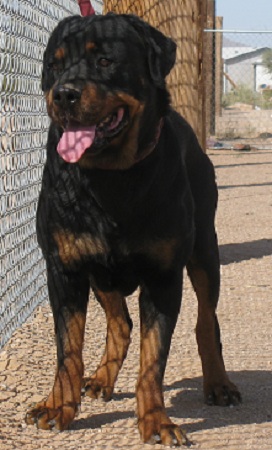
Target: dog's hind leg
204, 272
119, 325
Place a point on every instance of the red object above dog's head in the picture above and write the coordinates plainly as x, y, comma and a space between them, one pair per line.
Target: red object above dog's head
86, 8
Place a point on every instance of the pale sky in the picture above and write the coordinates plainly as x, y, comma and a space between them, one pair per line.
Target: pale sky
245, 14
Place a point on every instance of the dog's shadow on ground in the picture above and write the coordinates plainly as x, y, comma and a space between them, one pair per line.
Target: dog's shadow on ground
99, 420
187, 403
256, 407
243, 251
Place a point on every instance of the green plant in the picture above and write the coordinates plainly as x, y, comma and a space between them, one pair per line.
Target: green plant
243, 94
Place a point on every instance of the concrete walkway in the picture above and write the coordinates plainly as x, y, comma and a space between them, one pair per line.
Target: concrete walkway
244, 223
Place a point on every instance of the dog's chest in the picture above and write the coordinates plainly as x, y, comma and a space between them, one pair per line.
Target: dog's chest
98, 248
106, 232
80, 228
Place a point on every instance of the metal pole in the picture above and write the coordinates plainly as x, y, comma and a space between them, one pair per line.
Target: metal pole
209, 30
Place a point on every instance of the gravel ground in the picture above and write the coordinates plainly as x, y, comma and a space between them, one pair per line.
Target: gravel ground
27, 362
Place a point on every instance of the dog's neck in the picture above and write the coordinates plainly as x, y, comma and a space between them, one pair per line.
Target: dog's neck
151, 147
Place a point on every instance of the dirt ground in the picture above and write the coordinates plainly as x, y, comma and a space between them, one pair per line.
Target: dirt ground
244, 223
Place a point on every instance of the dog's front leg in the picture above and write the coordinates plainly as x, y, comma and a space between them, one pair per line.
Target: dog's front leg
68, 295
119, 325
159, 307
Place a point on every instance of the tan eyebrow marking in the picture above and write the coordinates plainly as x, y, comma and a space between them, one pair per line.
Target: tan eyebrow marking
60, 53
90, 46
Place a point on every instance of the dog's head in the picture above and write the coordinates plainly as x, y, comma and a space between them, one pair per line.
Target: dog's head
104, 82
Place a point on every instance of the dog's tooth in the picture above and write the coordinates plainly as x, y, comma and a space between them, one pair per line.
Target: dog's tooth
109, 119
83, 390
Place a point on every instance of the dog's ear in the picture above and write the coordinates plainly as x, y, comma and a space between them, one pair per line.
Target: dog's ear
161, 50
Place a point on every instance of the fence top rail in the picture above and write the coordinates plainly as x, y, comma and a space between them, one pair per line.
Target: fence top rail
219, 30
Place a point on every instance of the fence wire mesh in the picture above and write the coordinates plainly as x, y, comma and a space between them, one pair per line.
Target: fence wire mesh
24, 30
238, 97
239, 88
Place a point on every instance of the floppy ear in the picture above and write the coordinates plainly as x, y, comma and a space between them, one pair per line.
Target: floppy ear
161, 50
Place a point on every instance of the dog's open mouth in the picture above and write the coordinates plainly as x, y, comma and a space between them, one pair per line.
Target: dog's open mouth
76, 139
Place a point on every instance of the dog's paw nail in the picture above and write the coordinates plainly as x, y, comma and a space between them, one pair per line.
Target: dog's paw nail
154, 439
157, 438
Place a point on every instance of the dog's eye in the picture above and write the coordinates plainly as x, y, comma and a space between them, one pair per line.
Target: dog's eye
104, 62
54, 66
51, 66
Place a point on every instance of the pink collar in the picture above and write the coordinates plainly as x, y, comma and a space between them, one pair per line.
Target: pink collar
149, 149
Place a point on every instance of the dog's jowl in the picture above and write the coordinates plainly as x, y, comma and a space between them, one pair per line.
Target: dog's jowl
128, 200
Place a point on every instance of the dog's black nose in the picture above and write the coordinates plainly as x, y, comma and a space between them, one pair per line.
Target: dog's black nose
66, 95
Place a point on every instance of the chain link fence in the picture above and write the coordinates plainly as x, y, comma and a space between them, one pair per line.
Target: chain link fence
24, 29
239, 93
238, 98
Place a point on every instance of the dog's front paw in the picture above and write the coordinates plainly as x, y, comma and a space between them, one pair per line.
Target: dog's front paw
96, 388
225, 394
46, 417
155, 430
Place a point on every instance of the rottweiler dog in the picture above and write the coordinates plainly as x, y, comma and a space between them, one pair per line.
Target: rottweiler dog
128, 199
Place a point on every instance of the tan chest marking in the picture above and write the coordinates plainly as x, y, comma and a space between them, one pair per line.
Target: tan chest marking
72, 248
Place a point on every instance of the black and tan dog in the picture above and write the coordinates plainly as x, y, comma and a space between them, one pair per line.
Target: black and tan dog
128, 200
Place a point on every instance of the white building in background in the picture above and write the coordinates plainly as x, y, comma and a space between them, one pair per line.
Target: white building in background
243, 66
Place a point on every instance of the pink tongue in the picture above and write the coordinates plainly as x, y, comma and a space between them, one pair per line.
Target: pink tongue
74, 142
